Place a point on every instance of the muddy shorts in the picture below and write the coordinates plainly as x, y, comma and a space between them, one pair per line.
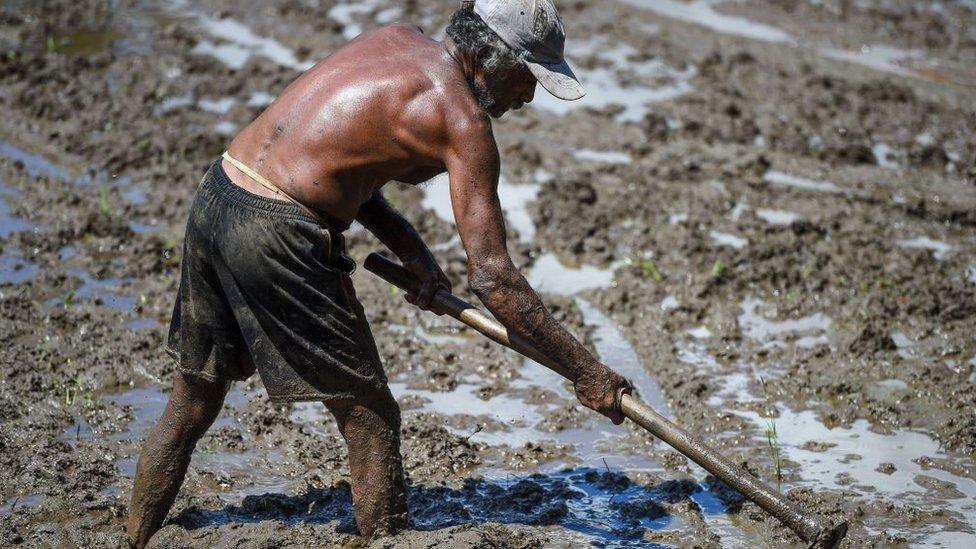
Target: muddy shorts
264, 284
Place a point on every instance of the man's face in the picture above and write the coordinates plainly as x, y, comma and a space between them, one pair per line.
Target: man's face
505, 89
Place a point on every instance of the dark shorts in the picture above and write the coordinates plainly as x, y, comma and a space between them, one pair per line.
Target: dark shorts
264, 284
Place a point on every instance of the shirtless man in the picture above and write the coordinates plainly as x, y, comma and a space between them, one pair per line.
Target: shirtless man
265, 282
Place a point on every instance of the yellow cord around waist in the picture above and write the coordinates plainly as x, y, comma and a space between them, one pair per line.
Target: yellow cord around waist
267, 184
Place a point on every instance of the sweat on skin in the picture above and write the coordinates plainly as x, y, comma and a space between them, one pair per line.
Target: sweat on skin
391, 105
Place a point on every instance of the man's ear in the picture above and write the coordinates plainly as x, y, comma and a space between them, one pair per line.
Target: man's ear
481, 56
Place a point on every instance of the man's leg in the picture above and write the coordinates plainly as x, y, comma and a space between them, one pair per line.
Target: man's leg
371, 428
192, 408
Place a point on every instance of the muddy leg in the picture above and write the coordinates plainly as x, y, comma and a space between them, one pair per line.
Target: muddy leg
372, 433
192, 407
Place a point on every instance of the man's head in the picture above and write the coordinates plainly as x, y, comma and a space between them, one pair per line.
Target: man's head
514, 44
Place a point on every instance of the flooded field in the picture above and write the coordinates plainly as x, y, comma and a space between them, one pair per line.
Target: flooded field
762, 213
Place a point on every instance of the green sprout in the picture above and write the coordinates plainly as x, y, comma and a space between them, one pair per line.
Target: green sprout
650, 270
103, 199
68, 299
718, 268
772, 437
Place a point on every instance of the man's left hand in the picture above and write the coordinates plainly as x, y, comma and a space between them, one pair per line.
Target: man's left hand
431, 278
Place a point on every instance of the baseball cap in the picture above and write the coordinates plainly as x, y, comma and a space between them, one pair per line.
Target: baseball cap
533, 27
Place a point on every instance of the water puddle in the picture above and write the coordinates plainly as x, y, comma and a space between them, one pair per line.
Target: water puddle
901, 467
616, 352
173, 103
20, 502
677, 218
885, 389
606, 157
581, 506
703, 13
730, 240
84, 43
33, 164
903, 344
549, 275
260, 99
786, 180
225, 127
608, 82
880, 57
733, 388
754, 325
238, 474
14, 269
220, 105
104, 291
887, 157
740, 208
10, 223
514, 199
939, 249
135, 196
142, 324
777, 217
237, 43
345, 15
147, 405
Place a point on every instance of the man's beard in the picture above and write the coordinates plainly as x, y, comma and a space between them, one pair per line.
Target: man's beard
483, 96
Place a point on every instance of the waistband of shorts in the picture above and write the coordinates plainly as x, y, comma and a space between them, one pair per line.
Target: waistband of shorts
219, 182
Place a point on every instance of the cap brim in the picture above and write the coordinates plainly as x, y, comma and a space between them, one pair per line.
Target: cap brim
558, 79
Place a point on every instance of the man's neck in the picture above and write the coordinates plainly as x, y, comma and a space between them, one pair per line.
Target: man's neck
464, 59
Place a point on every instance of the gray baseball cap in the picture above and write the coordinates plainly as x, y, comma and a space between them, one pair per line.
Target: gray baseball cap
533, 27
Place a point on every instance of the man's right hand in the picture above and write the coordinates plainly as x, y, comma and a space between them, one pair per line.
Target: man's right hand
600, 388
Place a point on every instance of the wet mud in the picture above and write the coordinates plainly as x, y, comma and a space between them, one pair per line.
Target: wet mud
763, 214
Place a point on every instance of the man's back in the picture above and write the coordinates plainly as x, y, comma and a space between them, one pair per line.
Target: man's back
373, 111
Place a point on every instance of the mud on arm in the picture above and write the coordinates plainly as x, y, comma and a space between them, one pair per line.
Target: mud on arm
493, 277
397, 234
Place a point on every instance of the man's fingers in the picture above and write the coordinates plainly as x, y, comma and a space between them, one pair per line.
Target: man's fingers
426, 295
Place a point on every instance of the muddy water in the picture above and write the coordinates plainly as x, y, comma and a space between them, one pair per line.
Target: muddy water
767, 205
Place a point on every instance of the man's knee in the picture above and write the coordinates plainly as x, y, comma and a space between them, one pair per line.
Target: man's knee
375, 413
193, 406
387, 408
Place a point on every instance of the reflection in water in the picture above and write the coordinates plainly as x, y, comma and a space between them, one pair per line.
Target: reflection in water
237, 43
939, 249
605, 85
549, 275
787, 180
583, 506
34, 165
758, 327
880, 57
726, 239
777, 217
875, 466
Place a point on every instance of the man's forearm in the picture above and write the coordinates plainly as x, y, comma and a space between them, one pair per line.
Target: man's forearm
515, 304
391, 228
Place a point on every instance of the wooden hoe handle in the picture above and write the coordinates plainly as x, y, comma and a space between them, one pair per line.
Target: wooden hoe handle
817, 532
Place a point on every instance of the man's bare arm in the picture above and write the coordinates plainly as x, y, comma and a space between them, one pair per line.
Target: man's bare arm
397, 234
393, 230
474, 172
